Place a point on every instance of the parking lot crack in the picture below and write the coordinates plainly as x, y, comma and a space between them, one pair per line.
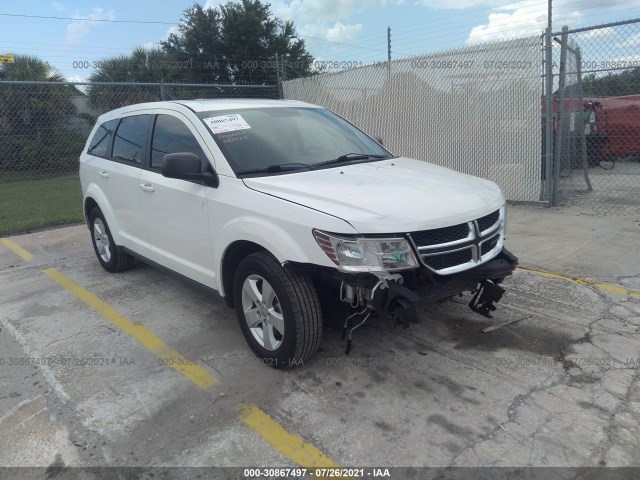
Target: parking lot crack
608, 442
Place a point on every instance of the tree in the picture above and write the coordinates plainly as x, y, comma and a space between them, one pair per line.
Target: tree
234, 44
33, 107
613, 85
199, 42
237, 43
33, 117
141, 66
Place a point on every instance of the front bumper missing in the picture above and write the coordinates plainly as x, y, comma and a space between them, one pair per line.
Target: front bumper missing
483, 280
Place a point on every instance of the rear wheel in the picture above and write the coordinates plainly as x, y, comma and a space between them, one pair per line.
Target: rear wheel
109, 256
278, 311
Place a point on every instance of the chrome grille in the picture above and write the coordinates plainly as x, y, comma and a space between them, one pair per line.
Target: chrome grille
441, 235
488, 221
490, 244
460, 247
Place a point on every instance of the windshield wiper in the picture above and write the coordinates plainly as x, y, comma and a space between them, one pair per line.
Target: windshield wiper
284, 167
347, 157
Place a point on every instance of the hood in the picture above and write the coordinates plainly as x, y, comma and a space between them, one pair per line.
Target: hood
390, 196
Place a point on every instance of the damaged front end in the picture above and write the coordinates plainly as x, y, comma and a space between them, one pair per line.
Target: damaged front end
397, 294
391, 274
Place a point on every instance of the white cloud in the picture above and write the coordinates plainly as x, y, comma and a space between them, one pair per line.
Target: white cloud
175, 29
529, 17
326, 19
502, 26
630, 42
323, 19
150, 45
57, 6
598, 33
79, 28
342, 33
457, 4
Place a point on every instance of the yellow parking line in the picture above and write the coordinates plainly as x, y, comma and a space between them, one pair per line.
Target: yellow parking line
291, 446
583, 281
17, 249
143, 335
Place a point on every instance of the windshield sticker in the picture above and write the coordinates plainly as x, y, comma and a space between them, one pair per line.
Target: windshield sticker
226, 123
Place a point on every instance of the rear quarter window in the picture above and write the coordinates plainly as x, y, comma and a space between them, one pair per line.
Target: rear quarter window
101, 140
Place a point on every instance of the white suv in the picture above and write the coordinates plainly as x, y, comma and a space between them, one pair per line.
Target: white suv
291, 213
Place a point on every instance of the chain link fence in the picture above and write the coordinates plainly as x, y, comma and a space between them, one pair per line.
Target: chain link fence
552, 119
596, 117
474, 109
43, 128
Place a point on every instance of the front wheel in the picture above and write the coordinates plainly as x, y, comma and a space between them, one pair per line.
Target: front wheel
278, 311
109, 256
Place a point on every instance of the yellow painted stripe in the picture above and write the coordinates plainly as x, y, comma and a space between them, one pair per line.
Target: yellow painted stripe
583, 281
291, 446
17, 249
143, 335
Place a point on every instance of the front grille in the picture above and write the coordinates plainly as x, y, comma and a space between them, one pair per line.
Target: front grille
489, 245
448, 260
458, 247
439, 236
488, 221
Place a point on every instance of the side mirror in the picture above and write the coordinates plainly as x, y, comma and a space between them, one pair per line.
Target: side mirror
377, 139
187, 166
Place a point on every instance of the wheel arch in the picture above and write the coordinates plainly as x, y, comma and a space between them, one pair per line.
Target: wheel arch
96, 198
232, 257
89, 205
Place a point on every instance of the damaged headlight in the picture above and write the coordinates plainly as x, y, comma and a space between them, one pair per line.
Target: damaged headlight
367, 254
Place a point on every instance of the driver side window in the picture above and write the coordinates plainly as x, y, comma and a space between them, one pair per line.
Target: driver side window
171, 135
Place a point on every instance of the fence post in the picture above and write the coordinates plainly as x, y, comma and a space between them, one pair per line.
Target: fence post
583, 138
279, 78
562, 78
548, 116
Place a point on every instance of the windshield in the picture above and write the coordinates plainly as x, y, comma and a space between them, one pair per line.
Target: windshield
275, 140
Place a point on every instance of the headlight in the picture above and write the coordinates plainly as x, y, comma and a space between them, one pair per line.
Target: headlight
367, 254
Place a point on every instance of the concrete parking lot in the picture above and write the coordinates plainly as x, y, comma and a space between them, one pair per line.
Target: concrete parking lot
142, 369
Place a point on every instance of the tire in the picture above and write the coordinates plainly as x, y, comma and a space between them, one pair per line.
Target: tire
292, 331
108, 253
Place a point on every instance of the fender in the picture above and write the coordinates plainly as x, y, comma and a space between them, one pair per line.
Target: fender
297, 245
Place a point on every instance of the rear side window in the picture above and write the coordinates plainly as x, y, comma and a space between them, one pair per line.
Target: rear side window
101, 140
130, 139
171, 135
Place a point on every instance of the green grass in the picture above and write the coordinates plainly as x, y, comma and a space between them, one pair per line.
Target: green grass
37, 203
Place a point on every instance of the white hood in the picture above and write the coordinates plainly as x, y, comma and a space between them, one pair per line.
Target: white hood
391, 196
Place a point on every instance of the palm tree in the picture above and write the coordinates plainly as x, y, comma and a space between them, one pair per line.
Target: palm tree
33, 115
33, 108
141, 66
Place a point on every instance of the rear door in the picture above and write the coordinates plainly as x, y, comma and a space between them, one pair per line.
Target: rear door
175, 211
117, 154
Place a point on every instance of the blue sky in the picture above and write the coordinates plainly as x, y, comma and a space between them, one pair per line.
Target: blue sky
335, 30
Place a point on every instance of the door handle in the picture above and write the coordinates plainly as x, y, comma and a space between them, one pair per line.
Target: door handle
147, 188
104, 174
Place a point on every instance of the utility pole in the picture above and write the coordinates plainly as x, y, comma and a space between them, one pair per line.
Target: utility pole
389, 51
